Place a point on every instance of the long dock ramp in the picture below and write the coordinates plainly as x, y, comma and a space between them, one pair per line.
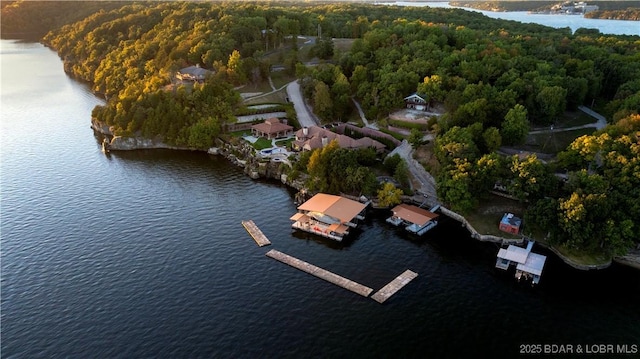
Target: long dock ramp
256, 233
320, 273
395, 285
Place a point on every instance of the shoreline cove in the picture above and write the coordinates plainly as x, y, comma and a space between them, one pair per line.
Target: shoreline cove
242, 156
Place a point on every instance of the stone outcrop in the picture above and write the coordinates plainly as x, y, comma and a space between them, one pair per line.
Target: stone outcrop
101, 127
121, 143
243, 155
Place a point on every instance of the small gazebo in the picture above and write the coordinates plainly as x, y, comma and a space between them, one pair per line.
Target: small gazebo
272, 128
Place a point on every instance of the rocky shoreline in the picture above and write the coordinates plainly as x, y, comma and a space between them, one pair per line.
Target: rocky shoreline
243, 155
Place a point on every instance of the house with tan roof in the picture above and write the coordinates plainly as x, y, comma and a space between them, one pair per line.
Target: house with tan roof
311, 138
272, 128
328, 216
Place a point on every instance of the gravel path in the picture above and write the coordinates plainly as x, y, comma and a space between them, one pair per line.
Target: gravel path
421, 176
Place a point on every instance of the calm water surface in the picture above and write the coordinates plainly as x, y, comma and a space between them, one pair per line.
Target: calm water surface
142, 254
574, 22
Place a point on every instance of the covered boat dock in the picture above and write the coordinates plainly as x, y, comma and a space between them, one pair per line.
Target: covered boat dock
415, 219
528, 264
328, 216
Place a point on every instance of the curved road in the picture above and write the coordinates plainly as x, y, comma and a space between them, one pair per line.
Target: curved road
306, 118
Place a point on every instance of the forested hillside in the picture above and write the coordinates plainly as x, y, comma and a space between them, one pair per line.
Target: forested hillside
495, 78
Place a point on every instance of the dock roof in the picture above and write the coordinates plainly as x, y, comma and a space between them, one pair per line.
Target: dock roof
533, 264
337, 207
413, 214
514, 254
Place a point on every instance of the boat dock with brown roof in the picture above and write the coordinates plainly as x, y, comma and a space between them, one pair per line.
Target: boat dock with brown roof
395, 285
256, 233
320, 273
328, 215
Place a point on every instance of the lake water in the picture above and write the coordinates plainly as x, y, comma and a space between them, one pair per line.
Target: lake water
142, 254
574, 22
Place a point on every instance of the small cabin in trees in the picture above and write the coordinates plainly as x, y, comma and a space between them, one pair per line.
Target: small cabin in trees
193, 73
416, 102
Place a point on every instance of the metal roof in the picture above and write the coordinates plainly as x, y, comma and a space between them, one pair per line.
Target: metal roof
337, 207
534, 264
413, 214
514, 254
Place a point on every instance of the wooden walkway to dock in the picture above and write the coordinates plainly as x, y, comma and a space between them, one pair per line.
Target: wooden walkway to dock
395, 285
320, 273
256, 233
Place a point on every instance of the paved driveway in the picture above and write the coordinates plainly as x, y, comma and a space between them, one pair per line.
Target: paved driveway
305, 117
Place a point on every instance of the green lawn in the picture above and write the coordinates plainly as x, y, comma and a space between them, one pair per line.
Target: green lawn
583, 258
262, 86
262, 143
343, 45
486, 218
281, 78
556, 141
276, 97
240, 133
285, 143
577, 118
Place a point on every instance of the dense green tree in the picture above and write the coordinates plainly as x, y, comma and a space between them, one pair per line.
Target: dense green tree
515, 126
401, 174
455, 186
391, 162
492, 139
552, 101
415, 137
531, 179
322, 102
333, 169
389, 195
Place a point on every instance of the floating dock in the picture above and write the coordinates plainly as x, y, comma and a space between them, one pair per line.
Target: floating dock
256, 233
321, 273
395, 285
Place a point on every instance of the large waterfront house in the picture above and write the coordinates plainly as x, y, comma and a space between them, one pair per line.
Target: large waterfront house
416, 102
528, 264
193, 74
415, 219
311, 138
272, 128
328, 216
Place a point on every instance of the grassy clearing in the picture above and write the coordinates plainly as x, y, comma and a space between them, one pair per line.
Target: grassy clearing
275, 97
577, 118
240, 133
583, 258
281, 78
262, 86
343, 45
556, 141
425, 156
486, 218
